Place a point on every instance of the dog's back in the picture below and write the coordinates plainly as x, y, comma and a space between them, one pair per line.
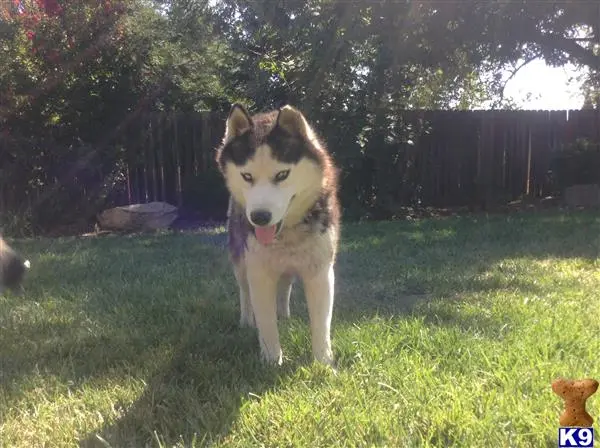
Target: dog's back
12, 267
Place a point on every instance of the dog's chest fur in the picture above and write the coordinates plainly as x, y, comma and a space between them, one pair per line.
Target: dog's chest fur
296, 251
301, 250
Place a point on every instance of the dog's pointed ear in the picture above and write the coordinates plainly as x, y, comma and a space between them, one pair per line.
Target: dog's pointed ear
238, 121
292, 121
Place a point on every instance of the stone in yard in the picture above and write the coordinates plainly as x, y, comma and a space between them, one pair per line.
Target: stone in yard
134, 217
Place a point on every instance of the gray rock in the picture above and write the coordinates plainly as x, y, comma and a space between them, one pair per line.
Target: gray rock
136, 217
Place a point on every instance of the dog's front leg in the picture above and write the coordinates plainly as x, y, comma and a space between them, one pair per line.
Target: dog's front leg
319, 297
246, 313
263, 296
284, 289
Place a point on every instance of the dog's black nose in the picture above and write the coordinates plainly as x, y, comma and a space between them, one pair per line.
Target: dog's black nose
260, 217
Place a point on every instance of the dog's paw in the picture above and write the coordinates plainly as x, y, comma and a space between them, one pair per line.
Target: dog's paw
275, 359
326, 369
324, 356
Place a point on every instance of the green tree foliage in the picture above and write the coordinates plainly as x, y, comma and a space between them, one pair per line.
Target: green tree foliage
433, 54
339, 54
90, 62
74, 73
353, 66
511, 34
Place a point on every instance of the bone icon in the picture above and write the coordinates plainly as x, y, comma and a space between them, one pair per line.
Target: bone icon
575, 393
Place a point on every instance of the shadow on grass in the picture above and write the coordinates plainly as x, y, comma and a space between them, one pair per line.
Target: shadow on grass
163, 309
154, 309
196, 396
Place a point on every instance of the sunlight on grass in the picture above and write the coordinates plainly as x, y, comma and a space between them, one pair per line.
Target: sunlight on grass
445, 331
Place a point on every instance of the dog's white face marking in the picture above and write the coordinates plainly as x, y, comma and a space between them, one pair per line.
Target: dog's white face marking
265, 184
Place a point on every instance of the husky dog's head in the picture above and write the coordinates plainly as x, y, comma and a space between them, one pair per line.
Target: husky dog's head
12, 268
274, 166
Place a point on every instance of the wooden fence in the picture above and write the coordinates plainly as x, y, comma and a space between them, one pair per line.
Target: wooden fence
459, 158
448, 158
495, 155
168, 153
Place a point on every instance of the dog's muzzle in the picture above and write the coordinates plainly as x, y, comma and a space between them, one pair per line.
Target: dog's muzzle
264, 231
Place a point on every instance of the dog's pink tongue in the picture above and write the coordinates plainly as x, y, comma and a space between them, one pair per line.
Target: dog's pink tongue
265, 235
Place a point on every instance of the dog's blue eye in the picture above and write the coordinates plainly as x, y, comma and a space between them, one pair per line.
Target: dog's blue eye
282, 175
247, 177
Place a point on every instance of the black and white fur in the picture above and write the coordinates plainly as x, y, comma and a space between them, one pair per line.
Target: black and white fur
12, 268
280, 175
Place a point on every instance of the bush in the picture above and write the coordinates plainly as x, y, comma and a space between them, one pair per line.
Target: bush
45, 184
577, 163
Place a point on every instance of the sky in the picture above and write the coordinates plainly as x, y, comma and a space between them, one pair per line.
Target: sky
547, 87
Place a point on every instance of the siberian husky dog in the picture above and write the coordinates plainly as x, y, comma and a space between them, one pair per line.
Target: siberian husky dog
12, 268
283, 222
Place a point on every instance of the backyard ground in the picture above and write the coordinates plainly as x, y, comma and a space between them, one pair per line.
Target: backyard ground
446, 331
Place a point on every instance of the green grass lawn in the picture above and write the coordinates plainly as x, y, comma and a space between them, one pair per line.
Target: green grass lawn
446, 332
